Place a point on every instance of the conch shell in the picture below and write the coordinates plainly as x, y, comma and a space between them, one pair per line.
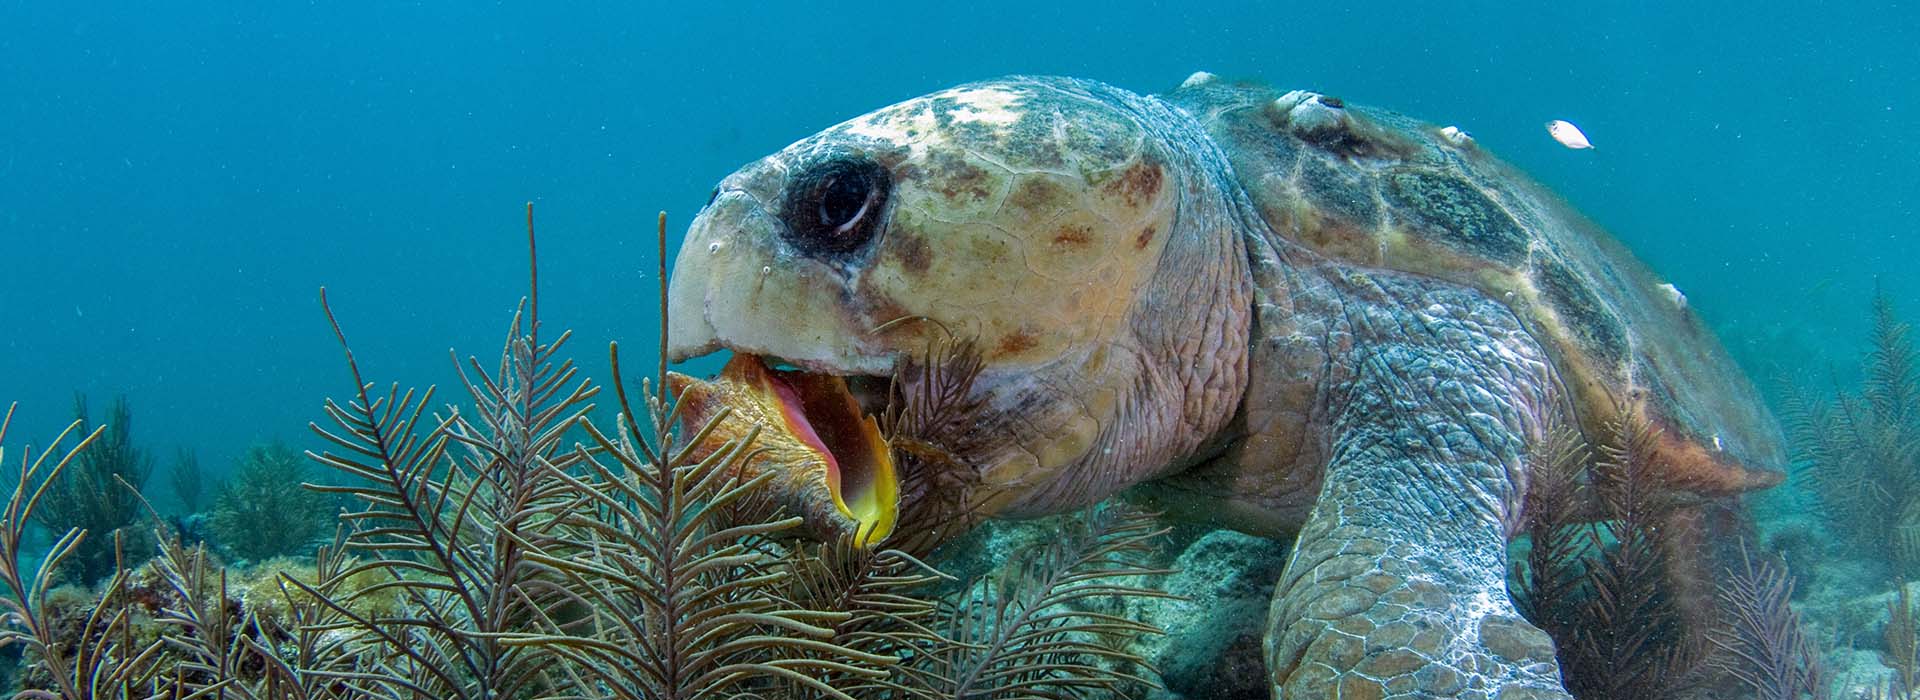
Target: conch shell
831, 465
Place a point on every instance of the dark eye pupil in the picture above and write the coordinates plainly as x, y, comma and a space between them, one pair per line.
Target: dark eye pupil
841, 199
836, 205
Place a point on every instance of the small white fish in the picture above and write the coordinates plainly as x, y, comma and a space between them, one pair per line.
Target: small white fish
1568, 135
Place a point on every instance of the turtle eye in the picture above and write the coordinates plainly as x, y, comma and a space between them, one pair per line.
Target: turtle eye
835, 207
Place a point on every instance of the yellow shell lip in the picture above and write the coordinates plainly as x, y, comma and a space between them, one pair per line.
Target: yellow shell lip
813, 421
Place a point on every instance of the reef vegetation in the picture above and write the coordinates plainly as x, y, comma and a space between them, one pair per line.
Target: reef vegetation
259, 514
1606, 591
1855, 541
514, 546
1809, 602
1860, 449
522, 542
186, 479
100, 493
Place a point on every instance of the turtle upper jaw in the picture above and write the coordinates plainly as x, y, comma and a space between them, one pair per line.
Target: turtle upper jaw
736, 287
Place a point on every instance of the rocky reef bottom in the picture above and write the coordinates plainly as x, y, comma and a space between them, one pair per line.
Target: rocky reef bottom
1211, 646
1221, 582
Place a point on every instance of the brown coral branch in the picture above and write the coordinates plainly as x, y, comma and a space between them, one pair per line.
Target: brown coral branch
682, 605
1764, 645
1551, 579
1030, 634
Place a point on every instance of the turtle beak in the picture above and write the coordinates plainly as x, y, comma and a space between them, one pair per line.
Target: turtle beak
733, 289
830, 463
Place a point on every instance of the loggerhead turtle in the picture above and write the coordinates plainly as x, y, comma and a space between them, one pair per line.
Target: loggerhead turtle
1295, 316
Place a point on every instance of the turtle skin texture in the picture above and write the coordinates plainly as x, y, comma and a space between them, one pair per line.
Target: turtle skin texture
1324, 324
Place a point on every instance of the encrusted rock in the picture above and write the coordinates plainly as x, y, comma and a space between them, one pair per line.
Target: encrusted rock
1212, 645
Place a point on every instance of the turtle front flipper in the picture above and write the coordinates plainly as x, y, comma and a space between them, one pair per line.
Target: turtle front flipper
1397, 585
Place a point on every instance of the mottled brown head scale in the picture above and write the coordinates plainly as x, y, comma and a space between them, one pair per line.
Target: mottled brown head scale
1016, 211
1033, 216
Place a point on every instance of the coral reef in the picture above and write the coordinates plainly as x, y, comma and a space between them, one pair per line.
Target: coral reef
1634, 641
1765, 646
1602, 589
1856, 448
99, 494
1221, 586
187, 480
1902, 654
758, 615
73, 660
259, 513
1016, 634
1860, 449
512, 547
1606, 590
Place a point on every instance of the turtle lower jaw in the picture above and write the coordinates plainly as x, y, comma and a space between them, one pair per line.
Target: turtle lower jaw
818, 437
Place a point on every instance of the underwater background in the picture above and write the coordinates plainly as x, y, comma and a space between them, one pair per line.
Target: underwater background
177, 180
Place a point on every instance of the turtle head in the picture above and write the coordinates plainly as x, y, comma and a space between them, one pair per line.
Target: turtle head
1036, 218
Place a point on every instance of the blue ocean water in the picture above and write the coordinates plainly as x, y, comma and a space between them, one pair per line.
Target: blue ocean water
178, 180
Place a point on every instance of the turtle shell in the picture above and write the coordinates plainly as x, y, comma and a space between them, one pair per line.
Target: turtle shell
1377, 189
